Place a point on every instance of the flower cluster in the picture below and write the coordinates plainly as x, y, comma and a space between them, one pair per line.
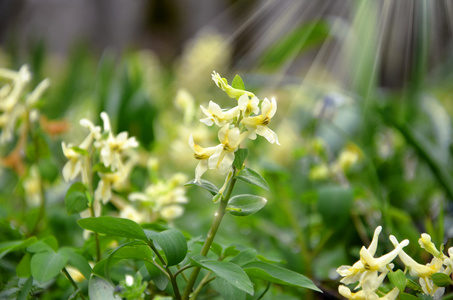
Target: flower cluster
247, 119
115, 153
370, 272
14, 102
163, 198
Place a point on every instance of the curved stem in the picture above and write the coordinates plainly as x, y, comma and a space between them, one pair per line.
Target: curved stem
203, 282
66, 273
167, 270
211, 234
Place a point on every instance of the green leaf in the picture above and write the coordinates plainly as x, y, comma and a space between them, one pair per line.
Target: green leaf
80, 151
334, 205
11, 246
48, 169
244, 257
77, 261
239, 158
405, 296
441, 279
49, 243
101, 289
413, 285
114, 226
250, 176
398, 279
228, 290
76, 199
237, 83
26, 289
245, 205
173, 243
230, 251
23, 268
131, 250
101, 168
207, 185
272, 273
424, 297
159, 279
47, 265
228, 271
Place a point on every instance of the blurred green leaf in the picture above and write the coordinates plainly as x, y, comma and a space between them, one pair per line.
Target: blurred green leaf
245, 205
159, 279
114, 226
77, 261
228, 271
48, 169
244, 257
23, 268
26, 289
101, 289
172, 242
272, 273
205, 184
405, 296
49, 243
47, 265
296, 41
250, 176
76, 199
10, 246
239, 158
398, 279
441, 279
334, 205
228, 290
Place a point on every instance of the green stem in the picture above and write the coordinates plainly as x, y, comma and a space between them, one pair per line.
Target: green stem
96, 237
172, 278
211, 234
66, 273
203, 282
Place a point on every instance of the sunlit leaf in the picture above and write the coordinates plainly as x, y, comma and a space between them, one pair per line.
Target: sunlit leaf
237, 83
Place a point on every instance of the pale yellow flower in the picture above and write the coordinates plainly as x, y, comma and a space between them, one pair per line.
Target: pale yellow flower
248, 106
258, 124
113, 148
203, 155
230, 139
216, 115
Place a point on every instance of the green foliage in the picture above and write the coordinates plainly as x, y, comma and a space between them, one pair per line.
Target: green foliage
237, 83
441, 279
172, 242
114, 226
252, 177
101, 289
47, 264
398, 279
76, 198
230, 272
245, 205
205, 184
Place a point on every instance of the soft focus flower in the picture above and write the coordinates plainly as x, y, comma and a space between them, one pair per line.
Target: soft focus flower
186, 103
248, 106
258, 124
129, 212
216, 115
164, 198
113, 148
231, 92
75, 274
32, 187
